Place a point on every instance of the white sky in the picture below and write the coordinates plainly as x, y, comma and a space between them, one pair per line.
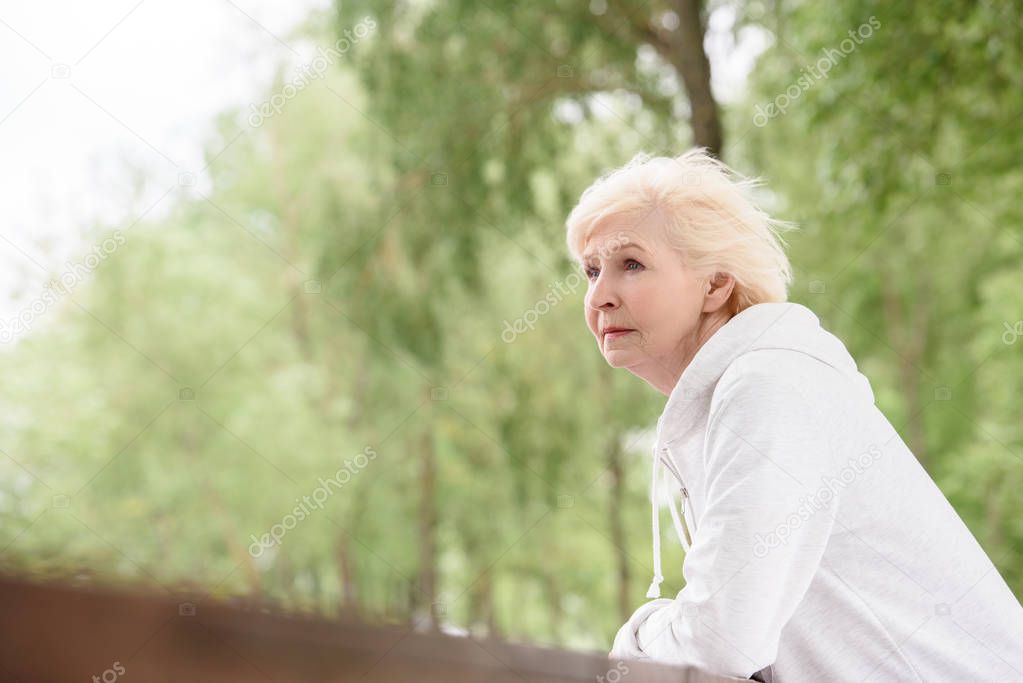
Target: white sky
89, 91
142, 84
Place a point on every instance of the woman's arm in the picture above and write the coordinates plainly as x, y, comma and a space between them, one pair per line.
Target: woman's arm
759, 541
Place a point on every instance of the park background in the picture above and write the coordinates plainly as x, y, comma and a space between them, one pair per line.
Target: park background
361, 276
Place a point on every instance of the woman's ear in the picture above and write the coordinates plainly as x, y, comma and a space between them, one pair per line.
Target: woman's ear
718, 289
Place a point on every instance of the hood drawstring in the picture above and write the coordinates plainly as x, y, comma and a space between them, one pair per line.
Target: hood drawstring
681, 530
655, 586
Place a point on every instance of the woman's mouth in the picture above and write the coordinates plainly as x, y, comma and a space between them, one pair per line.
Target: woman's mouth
615, 334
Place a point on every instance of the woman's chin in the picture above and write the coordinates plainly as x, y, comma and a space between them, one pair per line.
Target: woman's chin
619, 358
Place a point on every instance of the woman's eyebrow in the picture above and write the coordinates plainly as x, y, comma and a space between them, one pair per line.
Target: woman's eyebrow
618, 246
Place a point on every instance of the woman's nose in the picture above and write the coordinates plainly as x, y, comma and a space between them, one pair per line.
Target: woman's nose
602, 295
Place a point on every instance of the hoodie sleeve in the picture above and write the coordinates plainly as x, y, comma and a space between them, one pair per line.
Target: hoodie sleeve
767, 517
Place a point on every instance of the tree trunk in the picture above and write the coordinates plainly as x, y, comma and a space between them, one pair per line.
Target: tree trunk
346, 574
481, 606
428, 528
683, 49
690, 61
493, 630
909, 343
290, 228
993, 515
349, 598
556, 611
615, 512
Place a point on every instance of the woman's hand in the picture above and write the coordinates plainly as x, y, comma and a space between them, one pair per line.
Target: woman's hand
626, 644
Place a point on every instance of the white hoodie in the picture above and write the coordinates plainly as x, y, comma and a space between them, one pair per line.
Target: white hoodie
821, 549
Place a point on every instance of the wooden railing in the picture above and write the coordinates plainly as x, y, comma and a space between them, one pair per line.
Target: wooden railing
51, 632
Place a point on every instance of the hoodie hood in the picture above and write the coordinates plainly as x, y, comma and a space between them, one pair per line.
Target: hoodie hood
783, 325
786, 325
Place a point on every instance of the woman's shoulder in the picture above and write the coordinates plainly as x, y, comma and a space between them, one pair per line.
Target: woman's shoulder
770, 378
777, 365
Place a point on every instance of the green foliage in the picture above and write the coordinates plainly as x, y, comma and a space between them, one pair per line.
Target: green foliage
346, 282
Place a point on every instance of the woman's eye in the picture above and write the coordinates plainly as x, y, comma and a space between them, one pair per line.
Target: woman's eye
592, 273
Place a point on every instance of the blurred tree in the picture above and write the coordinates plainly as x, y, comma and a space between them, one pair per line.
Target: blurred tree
381, 265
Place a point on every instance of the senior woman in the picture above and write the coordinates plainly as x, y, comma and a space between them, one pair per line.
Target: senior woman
816, 546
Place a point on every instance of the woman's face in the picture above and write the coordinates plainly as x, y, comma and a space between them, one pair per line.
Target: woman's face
638, 282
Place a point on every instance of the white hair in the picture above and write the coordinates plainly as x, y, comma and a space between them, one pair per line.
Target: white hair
709, 219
